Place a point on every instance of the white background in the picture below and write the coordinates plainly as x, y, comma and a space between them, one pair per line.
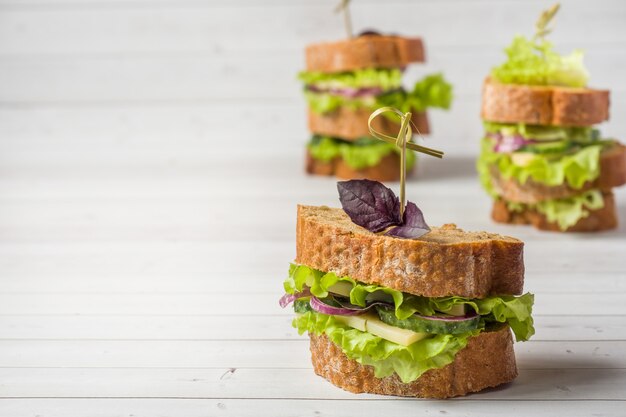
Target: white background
150, 164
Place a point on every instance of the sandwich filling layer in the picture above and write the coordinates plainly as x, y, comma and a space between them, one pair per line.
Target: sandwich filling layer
372, 88
362, 153
565, 212
547, 155
392, 331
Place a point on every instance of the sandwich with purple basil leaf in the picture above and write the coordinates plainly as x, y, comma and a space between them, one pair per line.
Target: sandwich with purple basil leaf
395, 307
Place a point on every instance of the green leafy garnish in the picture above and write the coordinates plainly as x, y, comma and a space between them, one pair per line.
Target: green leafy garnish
534, 61
362, 153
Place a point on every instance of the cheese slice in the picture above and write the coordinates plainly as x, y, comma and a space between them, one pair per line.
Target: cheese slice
372, 324
341, 288
356, 322
522, 159
457, 310
394, 334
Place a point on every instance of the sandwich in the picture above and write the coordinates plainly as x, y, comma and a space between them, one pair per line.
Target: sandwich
343, 82
395, 307
542, 159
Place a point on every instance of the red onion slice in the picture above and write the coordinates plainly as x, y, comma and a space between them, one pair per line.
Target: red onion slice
287, 299
467, 316
321, 307
512, 143
506, 144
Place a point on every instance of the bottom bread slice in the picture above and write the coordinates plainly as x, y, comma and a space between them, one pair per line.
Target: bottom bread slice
388, 169
597, 220
487, 361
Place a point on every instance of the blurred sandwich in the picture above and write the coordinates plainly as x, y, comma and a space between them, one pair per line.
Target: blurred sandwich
542, 160
343, 82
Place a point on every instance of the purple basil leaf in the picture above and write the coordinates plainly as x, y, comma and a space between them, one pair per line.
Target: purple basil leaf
369, 204
414, 224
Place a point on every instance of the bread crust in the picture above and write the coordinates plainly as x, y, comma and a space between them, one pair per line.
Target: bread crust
316, 167
612, 174
388, 169
369, 51
447, 261
543, 105
351, 124
598, 220
487, 361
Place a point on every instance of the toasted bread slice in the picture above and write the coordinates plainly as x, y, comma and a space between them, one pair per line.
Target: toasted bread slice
317, 167
597, 220
445, 262
388, 169
351, 124
612, 174
543, 105
368, 51
487, 361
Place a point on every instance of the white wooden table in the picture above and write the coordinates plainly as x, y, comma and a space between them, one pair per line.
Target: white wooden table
150, 165
155, 293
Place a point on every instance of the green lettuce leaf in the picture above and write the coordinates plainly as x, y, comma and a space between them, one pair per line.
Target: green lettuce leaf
324, 148
386, 357
363, 153
432, 91
536, 63
565, 212
387, 79
574, 169
516, 311
326, 103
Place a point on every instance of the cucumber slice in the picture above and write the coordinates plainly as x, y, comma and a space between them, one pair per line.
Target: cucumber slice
302, 305
549, 147
424, 325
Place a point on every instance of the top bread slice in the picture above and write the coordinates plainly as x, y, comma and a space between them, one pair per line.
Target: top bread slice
368, 51
445, 262
543, 105
612, 174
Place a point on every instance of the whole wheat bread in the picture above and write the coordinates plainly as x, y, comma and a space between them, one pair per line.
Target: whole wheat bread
597, 220
612, 174
370, 51
351, 124
488, 360
543, 105
388, 169
447, 261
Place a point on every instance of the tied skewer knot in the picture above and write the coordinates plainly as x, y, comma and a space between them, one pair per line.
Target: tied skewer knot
402, 141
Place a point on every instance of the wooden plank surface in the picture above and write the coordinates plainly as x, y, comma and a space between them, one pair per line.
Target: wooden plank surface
305, 407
